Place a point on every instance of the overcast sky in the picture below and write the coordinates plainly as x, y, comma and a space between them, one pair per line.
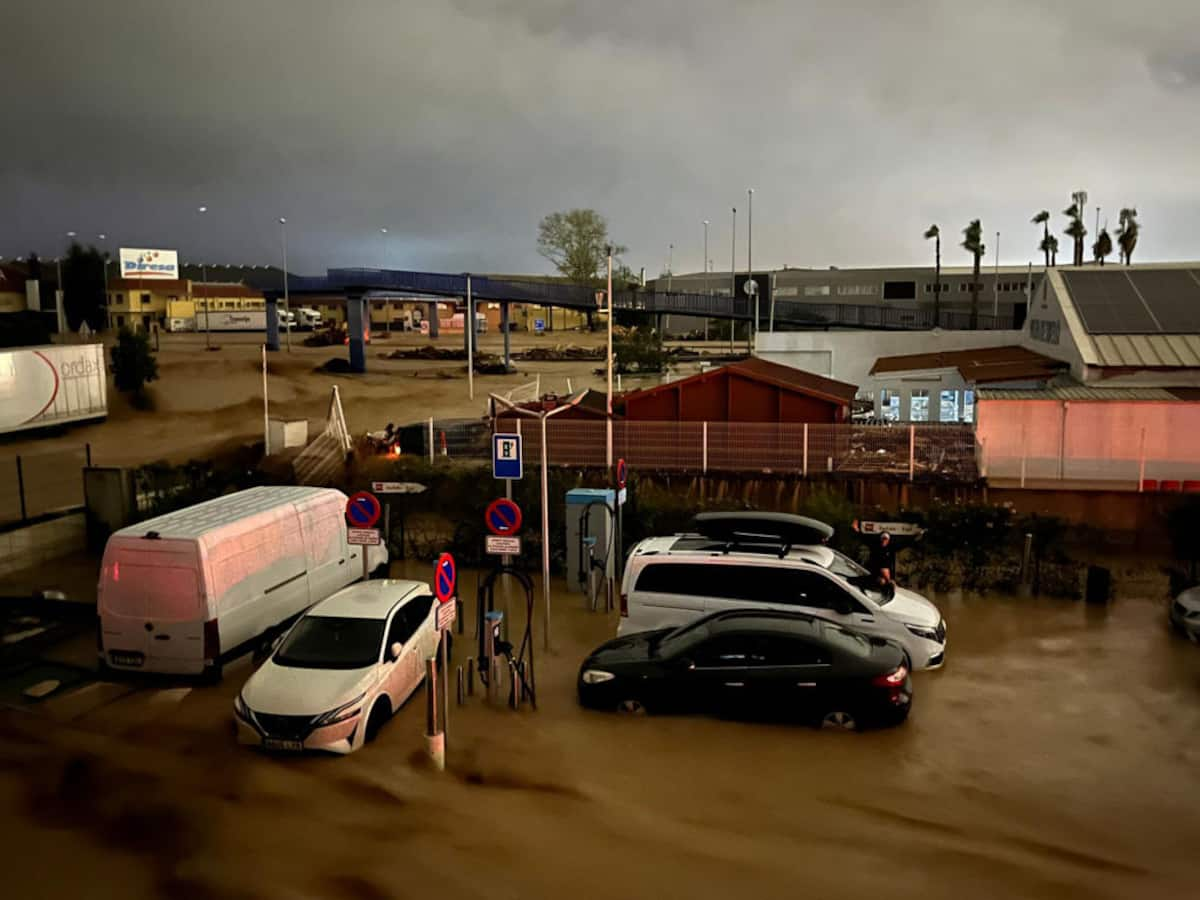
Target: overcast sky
457, 124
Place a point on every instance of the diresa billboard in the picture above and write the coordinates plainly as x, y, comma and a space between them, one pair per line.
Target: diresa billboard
149, 264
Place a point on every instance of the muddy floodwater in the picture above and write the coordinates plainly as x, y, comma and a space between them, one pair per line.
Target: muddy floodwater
1056, 755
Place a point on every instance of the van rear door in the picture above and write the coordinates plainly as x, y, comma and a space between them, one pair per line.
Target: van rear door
152, 609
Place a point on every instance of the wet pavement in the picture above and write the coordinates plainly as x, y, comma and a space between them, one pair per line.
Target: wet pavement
1056, 755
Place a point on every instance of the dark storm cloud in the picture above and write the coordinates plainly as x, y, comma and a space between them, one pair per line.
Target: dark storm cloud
458, 125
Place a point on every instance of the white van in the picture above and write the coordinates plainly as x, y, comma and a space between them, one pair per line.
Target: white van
183, 592
671, 581
308, 318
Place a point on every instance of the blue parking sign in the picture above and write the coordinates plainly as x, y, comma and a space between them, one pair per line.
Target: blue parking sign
539, 325
506, 456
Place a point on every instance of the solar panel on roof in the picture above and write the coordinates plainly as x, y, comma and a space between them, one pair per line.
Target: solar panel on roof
1108, 303
1173, 296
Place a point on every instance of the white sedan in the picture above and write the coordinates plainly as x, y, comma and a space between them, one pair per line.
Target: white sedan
341, 670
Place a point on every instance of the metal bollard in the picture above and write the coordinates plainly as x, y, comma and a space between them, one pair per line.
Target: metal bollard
518, 685
459, 615
512, 685
470, 676
458, 686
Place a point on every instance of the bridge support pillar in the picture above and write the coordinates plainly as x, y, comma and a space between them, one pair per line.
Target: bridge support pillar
431, 315
504, 328
356, 324
272, 324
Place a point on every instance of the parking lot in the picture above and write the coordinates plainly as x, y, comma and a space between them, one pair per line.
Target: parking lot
1054, 756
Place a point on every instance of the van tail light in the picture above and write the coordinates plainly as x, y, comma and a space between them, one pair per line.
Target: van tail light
625, 605
892, 680
212, 640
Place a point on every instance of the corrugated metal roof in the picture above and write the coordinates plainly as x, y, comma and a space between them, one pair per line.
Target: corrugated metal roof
1077, 392
980, 364
1152, 350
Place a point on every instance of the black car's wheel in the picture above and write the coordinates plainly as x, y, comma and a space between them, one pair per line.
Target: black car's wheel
839, 720
632, 707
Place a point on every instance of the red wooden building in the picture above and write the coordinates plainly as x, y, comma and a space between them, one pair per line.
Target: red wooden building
753, 390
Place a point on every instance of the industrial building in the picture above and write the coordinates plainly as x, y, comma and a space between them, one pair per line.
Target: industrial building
176, 304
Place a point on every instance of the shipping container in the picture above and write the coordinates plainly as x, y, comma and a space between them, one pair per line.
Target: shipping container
52, 385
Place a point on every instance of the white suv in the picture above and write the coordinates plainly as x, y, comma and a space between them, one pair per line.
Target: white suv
670, 581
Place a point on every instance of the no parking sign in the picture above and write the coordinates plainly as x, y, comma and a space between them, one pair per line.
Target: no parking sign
445, 576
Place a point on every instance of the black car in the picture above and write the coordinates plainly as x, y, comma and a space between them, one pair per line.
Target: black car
751, 664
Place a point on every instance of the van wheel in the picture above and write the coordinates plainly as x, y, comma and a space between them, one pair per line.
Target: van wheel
380, 713
632, 708
839, 721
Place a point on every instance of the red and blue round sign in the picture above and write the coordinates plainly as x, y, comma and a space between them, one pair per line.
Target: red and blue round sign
502, 517
363, 510
622, 472
445, 577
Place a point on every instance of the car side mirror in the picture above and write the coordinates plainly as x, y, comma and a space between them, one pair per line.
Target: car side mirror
394, 651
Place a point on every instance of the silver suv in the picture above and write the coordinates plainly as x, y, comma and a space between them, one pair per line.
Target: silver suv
669, 581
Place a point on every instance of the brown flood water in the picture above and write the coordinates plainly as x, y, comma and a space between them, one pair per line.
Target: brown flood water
1056, 755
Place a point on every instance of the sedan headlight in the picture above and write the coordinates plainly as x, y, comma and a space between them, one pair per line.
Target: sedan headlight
596, 676
242, 711
340, 714
927, 633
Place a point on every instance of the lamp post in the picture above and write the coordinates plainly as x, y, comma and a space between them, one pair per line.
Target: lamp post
204, 293
750, 258
670, 265
707, 286
609, 420
543, 416
732, 278
287, 307
996, 283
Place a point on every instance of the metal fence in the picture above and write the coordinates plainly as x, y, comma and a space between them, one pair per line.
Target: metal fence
905, 451
40, 484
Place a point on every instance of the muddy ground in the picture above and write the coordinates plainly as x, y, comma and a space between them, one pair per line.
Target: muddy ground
208, 401
1056, 755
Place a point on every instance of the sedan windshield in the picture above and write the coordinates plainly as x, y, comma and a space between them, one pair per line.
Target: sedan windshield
326, 642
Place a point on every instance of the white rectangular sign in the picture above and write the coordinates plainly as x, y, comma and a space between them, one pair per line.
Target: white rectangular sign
149, 265
362, 537
498, 545
396, 487
896, 528
622, 496
446, 614
506, 456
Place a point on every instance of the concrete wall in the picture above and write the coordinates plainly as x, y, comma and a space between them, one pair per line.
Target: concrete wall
37, 544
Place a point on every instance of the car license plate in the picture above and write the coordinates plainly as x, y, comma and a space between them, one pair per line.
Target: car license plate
120, 658
277, 744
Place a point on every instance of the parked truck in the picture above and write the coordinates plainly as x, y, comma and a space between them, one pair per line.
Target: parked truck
52, 385
307, 318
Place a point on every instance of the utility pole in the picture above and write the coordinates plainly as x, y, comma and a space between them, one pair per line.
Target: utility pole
609, 421
732, 278
996, 282
750, 258
287, 309
204, 294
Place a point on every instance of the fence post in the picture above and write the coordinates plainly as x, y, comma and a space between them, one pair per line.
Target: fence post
431, 440
1142, 461
21, 487
912, 451
1024, 452
805, 463
704, 446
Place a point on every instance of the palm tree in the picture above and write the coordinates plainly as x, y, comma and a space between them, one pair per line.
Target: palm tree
1127, 234
934, 232
973, 244
1103, 246
1043, 219
1076, 231
1051, 245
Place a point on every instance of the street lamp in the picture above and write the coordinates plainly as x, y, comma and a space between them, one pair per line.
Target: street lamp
287, 308
543, 416
670, 265
204, 292
752, 286
732, 277
609, 421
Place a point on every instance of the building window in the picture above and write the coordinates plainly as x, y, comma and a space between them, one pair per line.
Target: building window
816, 290
1046, 331
968, 406
889, 405
948, 406
855, 290
145, 299
899, 290
918, 405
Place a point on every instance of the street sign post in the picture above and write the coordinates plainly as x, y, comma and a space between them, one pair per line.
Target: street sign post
397, 487
500, 545
502, 517
893, 528
363, 510
445, 576
506, 456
